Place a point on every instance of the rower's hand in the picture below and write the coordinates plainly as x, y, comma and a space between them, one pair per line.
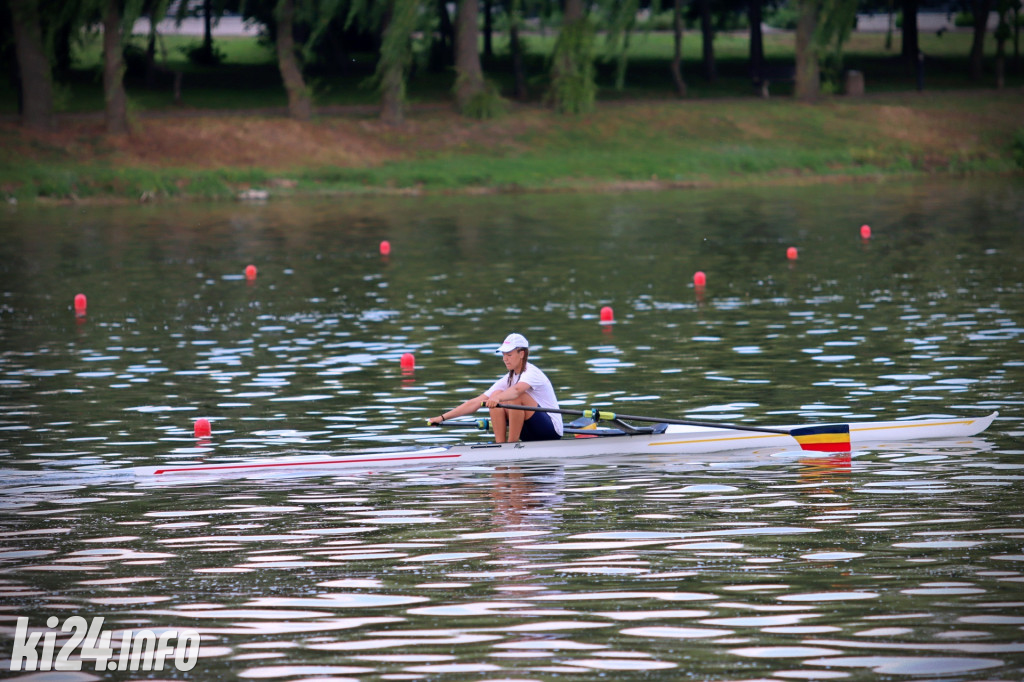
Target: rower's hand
491, 402
435, 421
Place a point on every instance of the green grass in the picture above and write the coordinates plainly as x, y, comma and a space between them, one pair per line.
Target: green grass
731, 142
720, 134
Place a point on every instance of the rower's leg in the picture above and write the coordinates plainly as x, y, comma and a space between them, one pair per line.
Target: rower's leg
515, 424
499, 423
517, 417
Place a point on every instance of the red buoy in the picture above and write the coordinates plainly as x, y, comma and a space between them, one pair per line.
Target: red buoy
607, 314
80, 305
408, 361
865, 232
699, 279
791, 253
385, 248
250, 272
202, 428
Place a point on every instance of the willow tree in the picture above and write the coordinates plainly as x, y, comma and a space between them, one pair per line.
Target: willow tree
980, 9
677, 48
296, 27
300, 104
35, 71
514, 9
621, 17
822, 28
573, 90
115, 98
469, 75
1004, 9
117, 18
396, 20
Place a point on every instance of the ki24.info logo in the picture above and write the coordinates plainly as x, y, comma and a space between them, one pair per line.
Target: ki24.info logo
139, 649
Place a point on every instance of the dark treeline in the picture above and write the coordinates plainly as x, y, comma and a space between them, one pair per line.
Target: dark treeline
317, 36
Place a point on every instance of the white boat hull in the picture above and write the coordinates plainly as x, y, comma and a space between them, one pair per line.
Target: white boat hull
675, 440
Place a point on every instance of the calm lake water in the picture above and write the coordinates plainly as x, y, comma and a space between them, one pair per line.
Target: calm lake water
904, 562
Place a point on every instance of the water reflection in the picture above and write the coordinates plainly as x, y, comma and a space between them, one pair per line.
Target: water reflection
551, 539
903, 560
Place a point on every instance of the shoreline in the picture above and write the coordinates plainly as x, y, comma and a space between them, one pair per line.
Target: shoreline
629, 146
619, 187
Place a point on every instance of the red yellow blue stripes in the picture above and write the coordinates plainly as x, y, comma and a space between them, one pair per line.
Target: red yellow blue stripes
825, 438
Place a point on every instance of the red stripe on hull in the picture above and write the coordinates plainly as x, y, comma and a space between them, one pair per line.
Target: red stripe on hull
321, 462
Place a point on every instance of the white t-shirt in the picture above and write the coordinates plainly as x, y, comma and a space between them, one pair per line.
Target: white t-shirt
540, 390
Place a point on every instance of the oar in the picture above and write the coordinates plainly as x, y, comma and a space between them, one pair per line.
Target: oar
824, 438
484, 424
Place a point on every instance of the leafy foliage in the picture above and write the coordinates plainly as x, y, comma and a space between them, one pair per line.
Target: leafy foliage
836, 21
201, 55
1017, 145
488, 103
573, 90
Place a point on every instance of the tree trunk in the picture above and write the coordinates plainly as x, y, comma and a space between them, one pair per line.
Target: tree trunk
910, 43
755, 15
677, 50
469, 77
808, 75
443, 47
707, 32
208, 31
114, 96
299, 105
151, 70
392, 101
1000, 65
573, 10
1016, 37
62, 39
395, 57
1002, 35
34, 67
488, 31
518, 68
981, 8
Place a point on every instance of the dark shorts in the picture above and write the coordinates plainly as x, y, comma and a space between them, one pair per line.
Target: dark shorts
539, 427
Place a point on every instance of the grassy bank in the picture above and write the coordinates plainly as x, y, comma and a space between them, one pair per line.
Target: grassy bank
215, 144
622, 145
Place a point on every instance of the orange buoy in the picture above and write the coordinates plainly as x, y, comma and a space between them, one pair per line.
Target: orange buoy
250, 272
80, 305
699, 278
791, 253
607, 314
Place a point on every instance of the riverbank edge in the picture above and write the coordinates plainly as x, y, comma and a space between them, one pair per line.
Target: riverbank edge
625, 147
259, 196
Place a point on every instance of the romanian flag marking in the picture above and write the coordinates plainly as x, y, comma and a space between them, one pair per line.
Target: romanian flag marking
826, 438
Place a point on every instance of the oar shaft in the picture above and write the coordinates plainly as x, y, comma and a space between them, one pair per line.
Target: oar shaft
599, 415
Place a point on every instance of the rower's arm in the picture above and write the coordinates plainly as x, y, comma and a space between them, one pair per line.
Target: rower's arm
468, 407
510, 394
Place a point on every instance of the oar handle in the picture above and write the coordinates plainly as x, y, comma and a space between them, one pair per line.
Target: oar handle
599, 415
483, 423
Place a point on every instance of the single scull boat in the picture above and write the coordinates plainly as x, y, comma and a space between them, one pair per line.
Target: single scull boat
667, 439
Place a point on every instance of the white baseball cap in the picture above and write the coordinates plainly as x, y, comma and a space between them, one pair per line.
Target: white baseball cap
513, 341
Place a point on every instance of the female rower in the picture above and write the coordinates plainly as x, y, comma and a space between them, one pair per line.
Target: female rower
524, 385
